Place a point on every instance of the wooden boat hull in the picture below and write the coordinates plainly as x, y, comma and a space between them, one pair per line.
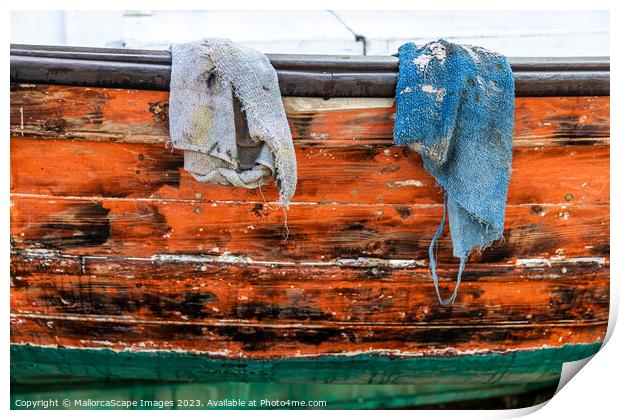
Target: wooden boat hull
124, 267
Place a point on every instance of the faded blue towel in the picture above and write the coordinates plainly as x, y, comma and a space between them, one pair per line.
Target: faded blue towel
455, 107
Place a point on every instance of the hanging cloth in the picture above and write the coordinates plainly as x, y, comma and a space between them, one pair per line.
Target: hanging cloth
226, 113
455, 107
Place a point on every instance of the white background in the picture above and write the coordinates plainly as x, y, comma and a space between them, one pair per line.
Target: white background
517, 33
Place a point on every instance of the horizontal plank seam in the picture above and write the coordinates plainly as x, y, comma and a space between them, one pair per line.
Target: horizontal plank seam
446, 352
602, 262
309, 325
294, 203
521, 141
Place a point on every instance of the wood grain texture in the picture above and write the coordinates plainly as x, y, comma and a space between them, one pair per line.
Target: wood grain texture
115, 247
316, 232
202, 290
256, 339
377, 174
141, 116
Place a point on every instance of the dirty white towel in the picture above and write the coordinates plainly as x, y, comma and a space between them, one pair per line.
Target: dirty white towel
226, 113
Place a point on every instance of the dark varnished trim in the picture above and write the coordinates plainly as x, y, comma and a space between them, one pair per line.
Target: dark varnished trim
299, 75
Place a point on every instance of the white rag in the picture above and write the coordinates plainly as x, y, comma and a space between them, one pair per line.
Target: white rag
226, 113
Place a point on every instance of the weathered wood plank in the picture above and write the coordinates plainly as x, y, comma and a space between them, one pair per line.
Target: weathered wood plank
317, 232
537, 120
260, 339
141, 116
545, 175
183, 288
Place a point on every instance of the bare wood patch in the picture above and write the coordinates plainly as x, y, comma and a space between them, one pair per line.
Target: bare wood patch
364, 291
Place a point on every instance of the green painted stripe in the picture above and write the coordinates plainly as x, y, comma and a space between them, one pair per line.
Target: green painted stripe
157, 395
34, 364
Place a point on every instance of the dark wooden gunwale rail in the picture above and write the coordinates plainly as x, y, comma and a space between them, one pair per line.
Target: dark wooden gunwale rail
299, 75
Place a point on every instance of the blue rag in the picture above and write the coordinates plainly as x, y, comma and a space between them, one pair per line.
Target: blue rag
455, 107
